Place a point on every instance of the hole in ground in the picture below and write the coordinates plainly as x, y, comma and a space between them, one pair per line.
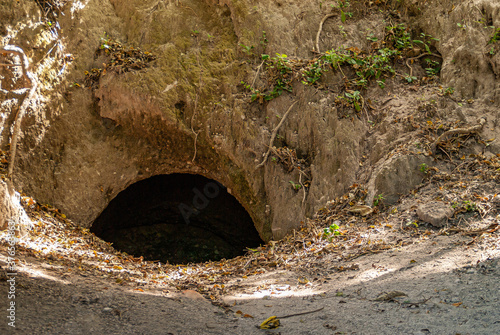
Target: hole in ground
179, 218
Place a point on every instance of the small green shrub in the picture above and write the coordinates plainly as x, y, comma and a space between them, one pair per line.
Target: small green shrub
331, 231
378, 200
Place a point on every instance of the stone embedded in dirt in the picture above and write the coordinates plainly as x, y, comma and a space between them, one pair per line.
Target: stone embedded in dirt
363, 210
190, 294
436, 213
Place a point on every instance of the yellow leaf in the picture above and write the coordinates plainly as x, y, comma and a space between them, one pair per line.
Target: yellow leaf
303, 281
117, 267
270, 323
413, 261
457, 304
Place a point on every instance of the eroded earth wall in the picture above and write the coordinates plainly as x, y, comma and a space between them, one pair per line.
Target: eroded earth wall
84, 139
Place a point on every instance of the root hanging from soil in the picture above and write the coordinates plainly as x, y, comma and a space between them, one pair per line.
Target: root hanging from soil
273, 135
448, 133
326, 17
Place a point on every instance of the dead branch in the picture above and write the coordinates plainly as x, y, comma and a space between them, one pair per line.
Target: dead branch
303, 313
326, 17
273, 136
448, 133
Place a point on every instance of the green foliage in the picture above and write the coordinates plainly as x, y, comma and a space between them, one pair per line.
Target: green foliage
282, 73
342, 4
409, 78
331, 231
365, 66
376, 65
313, 73
372, 38
352, 98
247, 49
378, 200
469, 206
424, 168
400, 36
412, 223
495, 37
462, 25
449, 91
264, 42
432, 68
295, 186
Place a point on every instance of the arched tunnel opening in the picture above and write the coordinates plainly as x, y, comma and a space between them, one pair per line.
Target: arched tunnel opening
177, 218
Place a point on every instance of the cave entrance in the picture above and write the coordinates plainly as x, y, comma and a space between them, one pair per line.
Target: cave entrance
179, 218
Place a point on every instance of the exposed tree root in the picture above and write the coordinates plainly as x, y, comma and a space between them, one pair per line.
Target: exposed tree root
420, 56
326, 17
10, 49
273, 136
448, 133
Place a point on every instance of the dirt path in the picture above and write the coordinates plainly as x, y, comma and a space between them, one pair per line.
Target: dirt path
449, 287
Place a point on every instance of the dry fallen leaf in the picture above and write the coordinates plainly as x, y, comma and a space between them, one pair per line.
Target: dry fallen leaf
270, 323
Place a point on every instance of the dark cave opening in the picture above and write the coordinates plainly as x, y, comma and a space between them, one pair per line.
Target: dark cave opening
179, 218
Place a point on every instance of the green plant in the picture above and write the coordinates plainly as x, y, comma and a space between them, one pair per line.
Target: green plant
492, 51
352, 98
331, 231
312, 73
412, 223
469, 206
424, 168
462, 25
378, 200
281, 72
399, 36
248, 49
371, 37
410, 79
424, 41
342, 31
264, 41
381, 83
295, 186
449, 91
495, 37
433, 67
